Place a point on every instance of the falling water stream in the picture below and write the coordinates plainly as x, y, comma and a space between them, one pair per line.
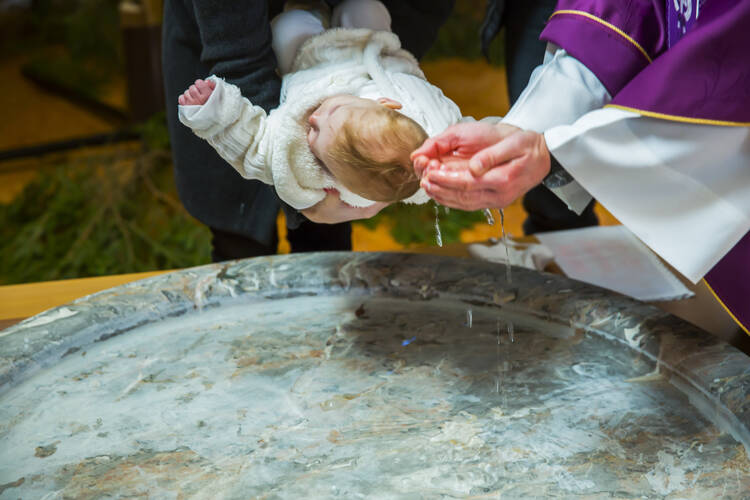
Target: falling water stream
500, 367
438, 236
488, 215
491, 221
510, 329
507, 251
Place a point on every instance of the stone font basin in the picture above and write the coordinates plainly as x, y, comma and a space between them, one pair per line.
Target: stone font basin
368, 375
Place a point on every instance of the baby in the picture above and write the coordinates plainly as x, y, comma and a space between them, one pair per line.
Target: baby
354, 105
363, 144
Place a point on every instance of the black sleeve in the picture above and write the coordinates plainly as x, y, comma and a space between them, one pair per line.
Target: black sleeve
293, 217
557, 176
236, 45
416, 22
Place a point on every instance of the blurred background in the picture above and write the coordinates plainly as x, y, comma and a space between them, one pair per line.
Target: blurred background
86, 185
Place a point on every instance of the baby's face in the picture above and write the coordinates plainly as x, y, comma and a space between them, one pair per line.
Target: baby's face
327, 120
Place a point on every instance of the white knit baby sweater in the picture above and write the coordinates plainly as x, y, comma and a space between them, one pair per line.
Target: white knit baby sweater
273, 148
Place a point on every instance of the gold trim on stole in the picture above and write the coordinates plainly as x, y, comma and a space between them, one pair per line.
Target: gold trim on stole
608, 25
678, 118
744, 328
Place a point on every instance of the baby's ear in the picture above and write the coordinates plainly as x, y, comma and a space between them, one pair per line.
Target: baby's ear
389, 103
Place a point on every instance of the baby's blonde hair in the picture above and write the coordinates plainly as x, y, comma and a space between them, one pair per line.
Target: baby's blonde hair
372, 152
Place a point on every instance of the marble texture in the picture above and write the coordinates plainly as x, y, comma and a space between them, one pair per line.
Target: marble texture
368, 375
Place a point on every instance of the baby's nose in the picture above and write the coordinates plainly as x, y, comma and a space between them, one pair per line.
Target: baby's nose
313, 120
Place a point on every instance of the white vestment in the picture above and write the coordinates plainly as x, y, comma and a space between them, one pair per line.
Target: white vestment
682, 188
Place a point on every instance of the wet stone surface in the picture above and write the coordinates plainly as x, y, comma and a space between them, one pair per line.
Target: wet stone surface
350, 375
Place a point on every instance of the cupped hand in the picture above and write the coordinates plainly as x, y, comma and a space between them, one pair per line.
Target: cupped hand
462, 140
331, 210
197, 94
493, 177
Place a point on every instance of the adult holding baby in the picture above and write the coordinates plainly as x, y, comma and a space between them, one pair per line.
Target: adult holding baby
644, 105
233, 40
353, 106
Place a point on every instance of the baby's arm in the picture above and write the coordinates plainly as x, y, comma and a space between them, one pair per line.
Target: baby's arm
237, 130
198, 93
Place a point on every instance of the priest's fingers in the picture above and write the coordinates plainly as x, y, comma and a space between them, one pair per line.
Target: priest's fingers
423, 163
465, 200
500, 186
419, 163
435, 147
462, 139
456, 138
528, 148
497, 154
458, 179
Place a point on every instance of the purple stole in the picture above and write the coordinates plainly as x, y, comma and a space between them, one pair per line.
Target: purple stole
681, 60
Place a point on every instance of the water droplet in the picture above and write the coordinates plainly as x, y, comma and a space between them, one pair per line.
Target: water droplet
508, 276
497, 358
489, 217
438, 236
510, 331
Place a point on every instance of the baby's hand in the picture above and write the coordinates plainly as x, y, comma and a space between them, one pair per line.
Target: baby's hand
198, 93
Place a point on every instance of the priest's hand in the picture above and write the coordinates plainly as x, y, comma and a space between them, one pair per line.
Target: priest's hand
331, 210
492, 177
462, 140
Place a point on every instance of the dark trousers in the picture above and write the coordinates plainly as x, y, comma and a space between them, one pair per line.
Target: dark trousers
524, 21
308, 237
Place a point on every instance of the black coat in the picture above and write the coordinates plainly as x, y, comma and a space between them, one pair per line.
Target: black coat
232, 39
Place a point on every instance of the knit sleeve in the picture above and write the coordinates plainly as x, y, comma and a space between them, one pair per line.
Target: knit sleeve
235, 128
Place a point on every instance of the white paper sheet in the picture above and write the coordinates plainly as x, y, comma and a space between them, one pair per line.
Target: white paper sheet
612, 257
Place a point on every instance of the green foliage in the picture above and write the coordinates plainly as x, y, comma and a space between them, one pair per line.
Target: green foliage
62, 71
117, 212
92, 33
154, 132
459, 36
107, 216
76, 44
415, 224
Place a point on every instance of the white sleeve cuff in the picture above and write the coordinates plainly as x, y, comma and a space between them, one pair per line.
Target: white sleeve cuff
220, 110
559, 92
573, 195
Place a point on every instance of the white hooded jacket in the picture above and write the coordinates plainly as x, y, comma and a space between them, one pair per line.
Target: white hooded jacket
273, 148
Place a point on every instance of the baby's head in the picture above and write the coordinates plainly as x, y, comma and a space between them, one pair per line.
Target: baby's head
366, 145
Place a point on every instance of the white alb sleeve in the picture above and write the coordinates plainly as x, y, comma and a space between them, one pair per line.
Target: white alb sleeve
235, 128
682, 188
559, 91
